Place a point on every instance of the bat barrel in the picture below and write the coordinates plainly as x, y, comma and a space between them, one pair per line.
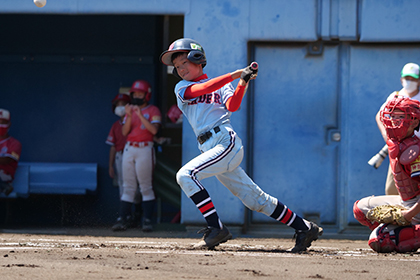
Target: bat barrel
254, 65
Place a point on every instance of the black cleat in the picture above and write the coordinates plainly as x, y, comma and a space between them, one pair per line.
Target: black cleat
6, 188
213, 237
147, 225
120, 225
304, 238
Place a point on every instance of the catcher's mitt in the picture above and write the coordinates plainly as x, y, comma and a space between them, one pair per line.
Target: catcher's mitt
388, 214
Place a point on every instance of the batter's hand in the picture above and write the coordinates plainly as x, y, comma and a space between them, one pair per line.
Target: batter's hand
249, 73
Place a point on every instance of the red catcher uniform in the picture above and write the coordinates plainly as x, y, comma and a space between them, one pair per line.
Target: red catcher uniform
9, 147
139, 158
398, 116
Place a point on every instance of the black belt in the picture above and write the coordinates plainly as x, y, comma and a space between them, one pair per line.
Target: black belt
203, 137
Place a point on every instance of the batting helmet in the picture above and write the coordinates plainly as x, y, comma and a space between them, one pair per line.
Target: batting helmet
118, 97
397, 116
4, 114
195, 52
144, 86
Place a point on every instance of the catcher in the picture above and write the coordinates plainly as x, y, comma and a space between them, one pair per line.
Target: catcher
395, 219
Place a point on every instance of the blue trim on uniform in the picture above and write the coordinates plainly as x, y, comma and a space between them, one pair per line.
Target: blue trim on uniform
415, 174
213, 161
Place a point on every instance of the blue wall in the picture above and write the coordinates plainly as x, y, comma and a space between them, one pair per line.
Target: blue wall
230, 31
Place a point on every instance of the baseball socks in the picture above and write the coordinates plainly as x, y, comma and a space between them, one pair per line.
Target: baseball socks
203, 202
125, 209
148, 207
288, 217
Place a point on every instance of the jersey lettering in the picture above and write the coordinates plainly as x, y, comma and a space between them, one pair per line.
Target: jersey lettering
209, 98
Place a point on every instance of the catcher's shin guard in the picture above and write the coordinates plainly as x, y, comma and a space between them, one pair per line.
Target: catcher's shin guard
382, 241
361, 217
408, 238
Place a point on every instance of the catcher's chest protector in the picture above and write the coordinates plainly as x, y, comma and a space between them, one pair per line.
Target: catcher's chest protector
407, 187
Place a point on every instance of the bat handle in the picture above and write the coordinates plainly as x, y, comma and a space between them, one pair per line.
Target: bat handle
254, 65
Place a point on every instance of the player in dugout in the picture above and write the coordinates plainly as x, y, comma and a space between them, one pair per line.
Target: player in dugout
10, 150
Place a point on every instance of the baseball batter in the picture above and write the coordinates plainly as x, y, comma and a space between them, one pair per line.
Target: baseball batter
208, 105
10, 150
142, 121
401, 118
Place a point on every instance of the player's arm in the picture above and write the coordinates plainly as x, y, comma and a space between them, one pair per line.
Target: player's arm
246, 74
112, 153
214, 84
151, 127
413, 211
127, 120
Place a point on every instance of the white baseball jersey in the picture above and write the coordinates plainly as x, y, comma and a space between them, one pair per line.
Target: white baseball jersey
200, 115
222, 153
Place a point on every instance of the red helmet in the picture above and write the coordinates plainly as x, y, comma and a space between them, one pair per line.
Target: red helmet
118, 97
397, 116
144, 86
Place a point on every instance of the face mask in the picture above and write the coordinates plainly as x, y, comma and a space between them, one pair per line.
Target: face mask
137, 101
409, 86
4, 128
119, 111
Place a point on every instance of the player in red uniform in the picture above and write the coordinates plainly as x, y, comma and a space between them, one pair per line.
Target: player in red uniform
141, 123
117, 141
401, 118
10, 150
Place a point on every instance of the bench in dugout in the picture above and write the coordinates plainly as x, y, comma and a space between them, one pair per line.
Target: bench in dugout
41, 178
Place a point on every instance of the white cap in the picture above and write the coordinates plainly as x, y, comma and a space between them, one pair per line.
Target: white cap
410, 69
4, 114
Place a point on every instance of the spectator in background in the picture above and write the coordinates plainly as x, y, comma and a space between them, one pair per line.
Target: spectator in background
410, 82
10, 150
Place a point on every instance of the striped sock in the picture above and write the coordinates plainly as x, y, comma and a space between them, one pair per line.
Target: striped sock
288, 217
203, 202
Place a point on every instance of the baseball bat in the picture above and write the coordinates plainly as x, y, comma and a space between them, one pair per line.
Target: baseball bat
254, 65
377, 159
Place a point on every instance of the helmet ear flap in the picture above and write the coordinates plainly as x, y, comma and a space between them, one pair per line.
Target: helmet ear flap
197, 57
175, 73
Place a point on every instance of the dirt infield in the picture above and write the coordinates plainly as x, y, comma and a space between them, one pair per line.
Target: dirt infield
31, 255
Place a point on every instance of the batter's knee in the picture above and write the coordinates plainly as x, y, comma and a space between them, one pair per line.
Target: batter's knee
180, 177
186, 182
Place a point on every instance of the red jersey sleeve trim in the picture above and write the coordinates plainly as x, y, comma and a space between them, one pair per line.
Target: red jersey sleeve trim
234, 102
197, 90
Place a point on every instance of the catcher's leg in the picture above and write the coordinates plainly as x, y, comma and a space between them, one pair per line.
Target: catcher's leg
361, 217
408, 238
382, 239
389, 238
362, 206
